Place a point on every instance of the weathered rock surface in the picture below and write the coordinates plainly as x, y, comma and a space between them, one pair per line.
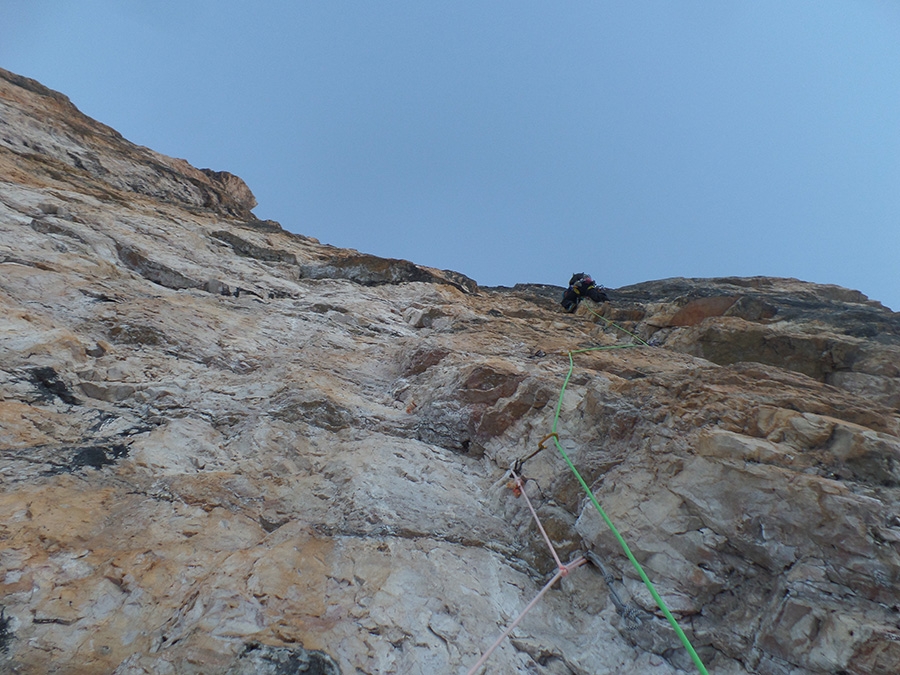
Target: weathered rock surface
225, 448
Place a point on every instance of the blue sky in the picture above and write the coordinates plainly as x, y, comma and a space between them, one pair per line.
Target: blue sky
518, 141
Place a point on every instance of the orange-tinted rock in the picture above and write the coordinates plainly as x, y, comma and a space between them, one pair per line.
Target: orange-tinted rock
702, 308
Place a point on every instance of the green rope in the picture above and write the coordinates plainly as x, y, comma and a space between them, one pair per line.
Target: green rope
615, 325
640, 570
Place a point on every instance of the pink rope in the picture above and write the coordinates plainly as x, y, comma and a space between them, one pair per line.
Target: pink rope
520, 483
563, 571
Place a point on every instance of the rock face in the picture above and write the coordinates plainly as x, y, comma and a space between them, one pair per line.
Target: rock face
225, 448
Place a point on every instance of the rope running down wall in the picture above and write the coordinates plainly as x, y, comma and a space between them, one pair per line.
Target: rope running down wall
564, 569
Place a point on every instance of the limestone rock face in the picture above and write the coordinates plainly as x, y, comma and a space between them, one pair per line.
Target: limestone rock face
226, 448
42, 128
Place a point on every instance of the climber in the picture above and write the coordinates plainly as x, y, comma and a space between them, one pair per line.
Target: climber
581, 286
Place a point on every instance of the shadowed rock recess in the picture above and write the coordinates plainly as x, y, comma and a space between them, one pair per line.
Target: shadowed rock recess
226, 448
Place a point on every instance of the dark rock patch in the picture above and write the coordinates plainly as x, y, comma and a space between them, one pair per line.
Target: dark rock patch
6, 635
259, 659
51, 386
98, 456
87, 456
154, 271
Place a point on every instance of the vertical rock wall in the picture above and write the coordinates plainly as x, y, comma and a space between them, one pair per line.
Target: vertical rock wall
228, 448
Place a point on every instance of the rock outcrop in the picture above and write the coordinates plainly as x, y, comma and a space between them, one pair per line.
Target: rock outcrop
229, 448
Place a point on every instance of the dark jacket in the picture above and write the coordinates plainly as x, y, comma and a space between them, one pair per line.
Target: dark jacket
581, 286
